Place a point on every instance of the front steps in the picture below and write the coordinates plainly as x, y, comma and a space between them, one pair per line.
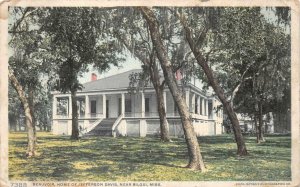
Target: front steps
104, 128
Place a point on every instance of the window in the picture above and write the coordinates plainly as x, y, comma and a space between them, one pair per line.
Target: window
119, 106
62, 106
93, 107
205, 111
81, 107
127, 105
201, 108
196, 105
147, 105
107, 108
209, 109
175, 108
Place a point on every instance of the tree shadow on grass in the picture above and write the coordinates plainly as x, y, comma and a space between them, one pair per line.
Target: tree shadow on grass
272, 143
103, 155
224, 139
107, 157
211, 155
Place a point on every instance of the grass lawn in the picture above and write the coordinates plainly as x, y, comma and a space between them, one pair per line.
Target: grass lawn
146, 159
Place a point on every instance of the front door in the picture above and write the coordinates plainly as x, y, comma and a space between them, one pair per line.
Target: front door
128, 106
107, 108
119, 106
147, 107
93, 108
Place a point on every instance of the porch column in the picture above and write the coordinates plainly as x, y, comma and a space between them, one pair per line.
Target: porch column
54, 108
165, 100
203, 106
123, 104
104, 105
143, 104
206, 107
87, 106
212, 109
193, 103
70, 107
187, 98
198, 104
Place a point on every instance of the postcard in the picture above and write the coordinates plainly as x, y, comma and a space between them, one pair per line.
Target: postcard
149, 93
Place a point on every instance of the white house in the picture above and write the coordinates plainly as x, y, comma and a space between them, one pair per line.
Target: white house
107, 108
247, 123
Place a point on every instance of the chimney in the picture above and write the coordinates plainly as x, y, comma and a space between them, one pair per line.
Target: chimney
93, 77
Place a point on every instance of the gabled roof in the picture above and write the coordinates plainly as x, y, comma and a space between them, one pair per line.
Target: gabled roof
118, 81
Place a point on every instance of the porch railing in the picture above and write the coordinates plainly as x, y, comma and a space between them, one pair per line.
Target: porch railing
149, 114
94, 115
81, 116
116, 123
133, 114
91, 127
173, 114
61, 116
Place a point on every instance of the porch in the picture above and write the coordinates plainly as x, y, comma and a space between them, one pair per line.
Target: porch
140, 105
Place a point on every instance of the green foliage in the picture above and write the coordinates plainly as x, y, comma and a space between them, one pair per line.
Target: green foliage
52, 47
14, 109
138, 81
283, 15
250, 54
78, 39
28, 64
147, 159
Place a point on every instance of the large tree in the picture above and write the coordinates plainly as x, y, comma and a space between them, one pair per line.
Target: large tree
26, 68
270, 80
136, 39
77, 39
132, 33
253, 52
195, 157
196, 32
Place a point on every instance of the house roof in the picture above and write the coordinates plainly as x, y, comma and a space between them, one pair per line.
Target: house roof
118, 81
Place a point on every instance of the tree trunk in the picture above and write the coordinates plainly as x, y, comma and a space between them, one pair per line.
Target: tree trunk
19, 124
15, 127
256, 128
154, 76
259, 117
241, 146
45, 126
260, 124
164, 130
31, 106
31, 146
195, 158
41, 126
75, 130
12, 123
